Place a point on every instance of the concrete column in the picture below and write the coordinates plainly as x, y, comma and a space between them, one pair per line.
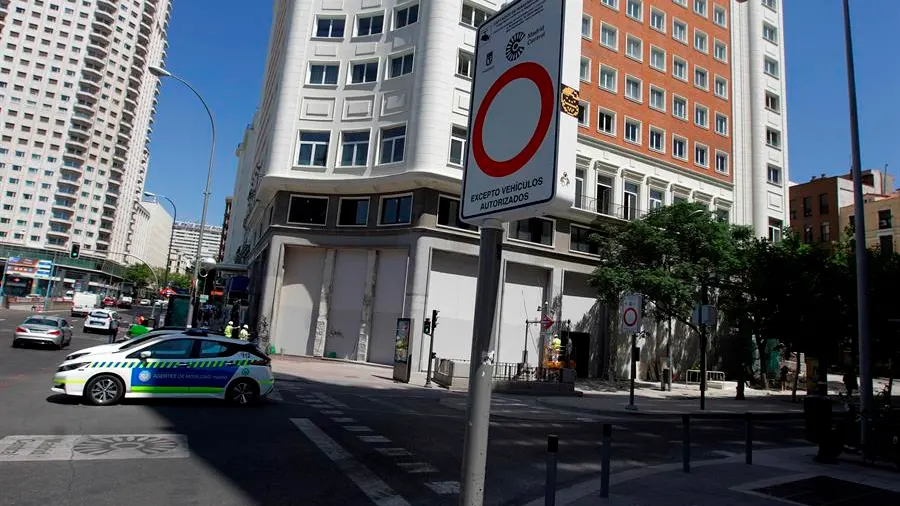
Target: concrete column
324, 304
368, 309
416, 292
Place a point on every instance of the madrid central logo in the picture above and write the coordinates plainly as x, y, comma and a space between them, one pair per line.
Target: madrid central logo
515, 48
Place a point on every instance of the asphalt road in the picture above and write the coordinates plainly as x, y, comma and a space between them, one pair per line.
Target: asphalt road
314, 443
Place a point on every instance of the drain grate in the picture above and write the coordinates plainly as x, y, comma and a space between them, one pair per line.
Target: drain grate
828, 491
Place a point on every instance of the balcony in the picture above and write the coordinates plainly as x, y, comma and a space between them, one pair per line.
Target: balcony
106, 6
83, 106
92, 73
57, 232
101, 27
79, 135
76, 143
139, 59
128, 111
64, 202
146, 28
97, 39
86, 95
103, 239
143, 38
605, 207
58, 217
70, 178
150, 6
94, 60
76, 156
105, 15
106, 225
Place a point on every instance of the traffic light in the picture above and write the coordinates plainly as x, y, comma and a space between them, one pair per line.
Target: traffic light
426, 327
75, 252
434, 318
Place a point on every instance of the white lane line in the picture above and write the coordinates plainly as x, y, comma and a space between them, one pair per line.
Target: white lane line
390, 405
374, 439
343, 420
332, 412
357, 428
330, 400
394, 452
318, 406
370, 484
275, 396
417, 467
443, 487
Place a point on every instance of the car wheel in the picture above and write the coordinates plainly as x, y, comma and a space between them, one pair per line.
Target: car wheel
104, 390
243, 392
15, 343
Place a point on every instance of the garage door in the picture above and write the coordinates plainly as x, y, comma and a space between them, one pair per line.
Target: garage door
451, 290
299, 300
523, 293
390, 290
346, 301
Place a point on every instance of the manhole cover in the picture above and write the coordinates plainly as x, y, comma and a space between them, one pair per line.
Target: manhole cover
828, 491
147, 445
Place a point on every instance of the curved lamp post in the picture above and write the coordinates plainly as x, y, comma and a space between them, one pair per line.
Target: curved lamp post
161, 73
171, 234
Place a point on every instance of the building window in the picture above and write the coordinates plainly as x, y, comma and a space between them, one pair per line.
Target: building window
609, 36
720, 51
630, 199
364, 72
323, 74
773, 102
679, 147
679, 68
606, 122
679, 31
313, 149
304, 210
587, 26
886, 244
807, 207
585, 69
612, 4
719, 16
656, 198
633, 131
701, 116
604, 194
658, 58
679, 107
657, 141
884, 219
633, 88
770, 33
401, 65
584, 110
773, 138
458, 136
700, 7
369, 25
701, 155
608, 78
657, 98
772, 4
701, 79
721, 162
465, 64
536, 230
580, 240
771, 67
825, 232
448, 214
808, 234
634, 48
473, 16
700, 41
721, 87
635, 9
406, 16
658, 20
721, 124
775, 230
355, 149
330, 28
393, 144
396, 210
353, 212
774, 174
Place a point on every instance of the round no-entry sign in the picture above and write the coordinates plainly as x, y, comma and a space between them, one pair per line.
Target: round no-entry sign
630, 317
541, 78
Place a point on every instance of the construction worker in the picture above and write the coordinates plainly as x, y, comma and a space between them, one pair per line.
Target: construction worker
229, 329
244, 334
555, 345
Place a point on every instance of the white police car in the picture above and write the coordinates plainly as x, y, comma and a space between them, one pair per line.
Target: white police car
190, 364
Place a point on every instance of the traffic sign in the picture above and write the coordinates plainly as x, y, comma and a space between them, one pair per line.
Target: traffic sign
546, 323
522, 135
631, 313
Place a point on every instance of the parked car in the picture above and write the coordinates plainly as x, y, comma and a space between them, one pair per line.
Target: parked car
103, 321
145, 302
125, 302
109, 302
83, 303
69, 295
52, 330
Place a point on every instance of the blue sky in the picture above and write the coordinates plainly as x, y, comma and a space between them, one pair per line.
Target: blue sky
219, 46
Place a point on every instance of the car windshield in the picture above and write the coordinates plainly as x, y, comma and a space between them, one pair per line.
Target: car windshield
41, 321
99, 314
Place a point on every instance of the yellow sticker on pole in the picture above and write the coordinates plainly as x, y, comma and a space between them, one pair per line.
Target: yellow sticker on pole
568, 100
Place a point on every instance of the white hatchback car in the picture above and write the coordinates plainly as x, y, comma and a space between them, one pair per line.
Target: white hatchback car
105, 321
191, 364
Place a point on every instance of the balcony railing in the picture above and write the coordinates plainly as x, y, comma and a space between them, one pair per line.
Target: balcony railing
606, 208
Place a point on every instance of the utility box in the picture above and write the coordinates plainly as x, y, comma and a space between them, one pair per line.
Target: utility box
177, 310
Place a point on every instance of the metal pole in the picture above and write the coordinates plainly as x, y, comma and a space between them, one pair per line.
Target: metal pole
686, 443
862, 268
704, 301
631, 405
478, 410
669, 355
430, 357
50, 284
525, 348
605, 451
748, 443
550, 485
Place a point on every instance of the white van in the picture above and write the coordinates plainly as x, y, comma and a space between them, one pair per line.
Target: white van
83, 303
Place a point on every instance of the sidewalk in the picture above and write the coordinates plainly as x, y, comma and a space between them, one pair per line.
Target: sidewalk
346, 373
776, 477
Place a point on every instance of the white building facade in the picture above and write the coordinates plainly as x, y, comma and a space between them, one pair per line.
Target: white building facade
153, 233
346, 199
186, 237
76, 105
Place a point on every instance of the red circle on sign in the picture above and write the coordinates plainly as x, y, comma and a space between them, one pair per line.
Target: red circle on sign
539, 76
630, 316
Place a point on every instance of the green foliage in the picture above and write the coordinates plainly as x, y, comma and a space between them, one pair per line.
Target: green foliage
178, 280
140, 275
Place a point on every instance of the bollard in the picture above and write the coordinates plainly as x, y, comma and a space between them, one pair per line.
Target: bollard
686, 443
604, 460
748, 445
550, 486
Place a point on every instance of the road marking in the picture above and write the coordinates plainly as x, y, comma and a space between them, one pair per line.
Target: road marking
374, 439
275, 395
417, 467
376, 490
357, 428
93, 447
443, 487
330, 400
392, 406
394, 452
343, 420
332, 412
645, 434
318, 406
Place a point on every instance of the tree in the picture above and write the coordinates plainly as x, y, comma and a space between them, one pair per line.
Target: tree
140, 275
179, 280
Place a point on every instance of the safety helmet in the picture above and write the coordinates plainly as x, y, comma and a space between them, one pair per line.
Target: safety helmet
246, 326
230, 322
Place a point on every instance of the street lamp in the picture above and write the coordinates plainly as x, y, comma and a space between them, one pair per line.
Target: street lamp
171, 233
161, 73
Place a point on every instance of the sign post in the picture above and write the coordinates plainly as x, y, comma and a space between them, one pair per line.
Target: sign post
522, 141
631, 322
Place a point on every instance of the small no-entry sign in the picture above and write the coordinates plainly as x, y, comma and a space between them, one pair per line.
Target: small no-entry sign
631, 313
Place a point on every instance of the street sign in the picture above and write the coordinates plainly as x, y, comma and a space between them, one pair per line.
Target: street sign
546, 323
631, 313
44, 268
522, 133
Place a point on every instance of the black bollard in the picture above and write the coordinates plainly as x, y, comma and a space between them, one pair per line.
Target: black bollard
748, 444
686, 443
605, 451
550, 486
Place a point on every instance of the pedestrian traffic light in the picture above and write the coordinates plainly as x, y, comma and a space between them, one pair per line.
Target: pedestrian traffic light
75, 252
434, 318
426, 327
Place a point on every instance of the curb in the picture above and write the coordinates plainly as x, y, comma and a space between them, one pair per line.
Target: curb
709, 415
